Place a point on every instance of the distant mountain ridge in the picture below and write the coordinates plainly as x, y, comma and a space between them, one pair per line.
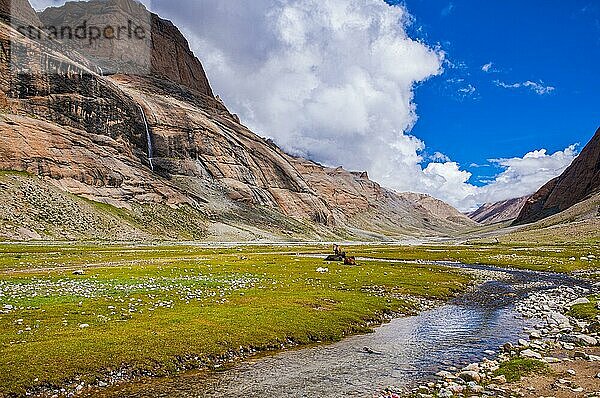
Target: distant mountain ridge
506, 210
578, 182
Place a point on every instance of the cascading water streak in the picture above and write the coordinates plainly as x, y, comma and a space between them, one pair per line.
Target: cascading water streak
148, 137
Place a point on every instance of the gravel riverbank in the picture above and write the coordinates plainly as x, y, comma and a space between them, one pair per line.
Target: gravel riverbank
568, 349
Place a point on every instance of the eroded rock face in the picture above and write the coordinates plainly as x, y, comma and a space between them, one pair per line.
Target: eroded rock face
163, 51
579, 181
19, 11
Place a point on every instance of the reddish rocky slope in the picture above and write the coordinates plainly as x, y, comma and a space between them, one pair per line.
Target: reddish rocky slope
506, 210
579, 181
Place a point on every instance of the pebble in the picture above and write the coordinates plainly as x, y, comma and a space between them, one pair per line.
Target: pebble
470, 375
554, 329
84, 325
568, 346
499, 379
445, 375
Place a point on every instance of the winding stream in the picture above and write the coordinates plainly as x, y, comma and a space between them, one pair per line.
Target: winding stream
403, 353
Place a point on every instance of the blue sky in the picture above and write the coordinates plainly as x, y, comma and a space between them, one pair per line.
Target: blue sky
556, 42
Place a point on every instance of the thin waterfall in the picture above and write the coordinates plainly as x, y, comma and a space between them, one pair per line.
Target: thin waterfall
148, 137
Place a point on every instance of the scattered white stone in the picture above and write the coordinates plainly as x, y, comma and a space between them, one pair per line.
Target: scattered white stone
499, 379
581, 300
568, 346
531, 354
473, 366
523, 343
322, 270
445, 375
571, 372
84, 325
584, 339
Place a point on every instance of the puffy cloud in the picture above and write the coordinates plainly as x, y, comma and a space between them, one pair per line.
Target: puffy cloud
519, 177
330, 80
439, 157
539, 88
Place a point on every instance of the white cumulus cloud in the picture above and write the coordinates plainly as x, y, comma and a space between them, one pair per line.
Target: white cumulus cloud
519, 177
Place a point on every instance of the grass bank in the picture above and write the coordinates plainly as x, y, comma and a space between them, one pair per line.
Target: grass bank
161, 309
554, 258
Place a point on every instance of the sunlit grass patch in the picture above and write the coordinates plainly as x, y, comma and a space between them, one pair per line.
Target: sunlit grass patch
587, 311
516, 368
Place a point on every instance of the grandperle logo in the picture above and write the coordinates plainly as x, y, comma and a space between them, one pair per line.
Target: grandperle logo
99, 39
85, 31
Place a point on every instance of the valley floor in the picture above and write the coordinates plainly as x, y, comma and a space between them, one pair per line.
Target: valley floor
78, 315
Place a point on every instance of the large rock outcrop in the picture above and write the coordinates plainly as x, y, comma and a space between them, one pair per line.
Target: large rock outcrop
164, 51
578, 182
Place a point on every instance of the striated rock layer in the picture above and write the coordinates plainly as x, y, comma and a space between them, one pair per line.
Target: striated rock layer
506, 210
164, 140
578, 182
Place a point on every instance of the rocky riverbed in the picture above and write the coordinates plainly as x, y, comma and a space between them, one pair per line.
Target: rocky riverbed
569, 347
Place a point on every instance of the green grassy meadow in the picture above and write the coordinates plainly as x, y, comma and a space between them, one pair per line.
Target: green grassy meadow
162, 309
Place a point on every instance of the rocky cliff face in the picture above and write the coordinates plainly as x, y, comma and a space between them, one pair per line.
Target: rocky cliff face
162, 139
164, 51
578, 182
506, 210
19, 11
